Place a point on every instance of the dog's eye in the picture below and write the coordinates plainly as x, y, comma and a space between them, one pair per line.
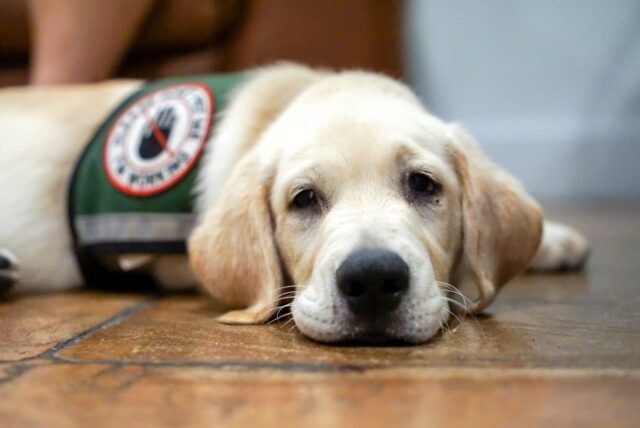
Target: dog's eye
422, 185
305, 199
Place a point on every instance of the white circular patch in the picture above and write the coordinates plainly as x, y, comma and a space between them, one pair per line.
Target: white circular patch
157, 140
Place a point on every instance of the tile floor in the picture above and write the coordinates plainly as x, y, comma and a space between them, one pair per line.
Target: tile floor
553, 350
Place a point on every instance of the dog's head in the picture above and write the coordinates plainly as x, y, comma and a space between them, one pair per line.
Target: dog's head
369, 206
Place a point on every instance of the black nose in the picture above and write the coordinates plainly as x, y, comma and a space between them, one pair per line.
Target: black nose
373, 281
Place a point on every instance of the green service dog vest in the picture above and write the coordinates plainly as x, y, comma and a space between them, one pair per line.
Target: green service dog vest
132, 189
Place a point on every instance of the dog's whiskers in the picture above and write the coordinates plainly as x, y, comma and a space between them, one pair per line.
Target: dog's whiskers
292, 327
287, 322
453, 289
278, 316
456, 317
286, 305
281, 296
284, 295
464, 305
456, 303
273, 321
446, 327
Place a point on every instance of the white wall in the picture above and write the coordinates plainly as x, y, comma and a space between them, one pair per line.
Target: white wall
551, 89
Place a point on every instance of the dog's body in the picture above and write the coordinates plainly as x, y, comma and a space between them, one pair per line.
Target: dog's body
311, 178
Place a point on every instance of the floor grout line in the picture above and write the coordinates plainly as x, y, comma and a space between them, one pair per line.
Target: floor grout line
237, 365
109, 322
15, 373
333, 368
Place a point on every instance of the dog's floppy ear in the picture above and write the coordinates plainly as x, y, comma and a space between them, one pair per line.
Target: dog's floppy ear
232, 251
502, 225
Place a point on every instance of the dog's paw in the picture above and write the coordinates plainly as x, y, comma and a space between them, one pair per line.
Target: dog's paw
8, 270
562, 248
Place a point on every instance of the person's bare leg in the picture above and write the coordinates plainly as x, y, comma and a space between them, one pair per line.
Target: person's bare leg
82, 40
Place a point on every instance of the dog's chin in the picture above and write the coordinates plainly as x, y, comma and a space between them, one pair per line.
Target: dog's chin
349, 335
342, 328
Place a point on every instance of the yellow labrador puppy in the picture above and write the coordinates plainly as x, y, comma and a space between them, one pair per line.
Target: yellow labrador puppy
337, 190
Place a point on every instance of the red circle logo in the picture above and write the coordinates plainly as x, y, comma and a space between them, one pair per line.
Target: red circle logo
157, 140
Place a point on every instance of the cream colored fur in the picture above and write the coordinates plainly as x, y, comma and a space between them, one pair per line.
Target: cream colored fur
353, 135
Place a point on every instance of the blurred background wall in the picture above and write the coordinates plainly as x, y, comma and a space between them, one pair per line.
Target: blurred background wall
551, 89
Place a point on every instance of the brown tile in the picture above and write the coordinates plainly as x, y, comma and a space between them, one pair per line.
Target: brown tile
30, 325
103, 396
